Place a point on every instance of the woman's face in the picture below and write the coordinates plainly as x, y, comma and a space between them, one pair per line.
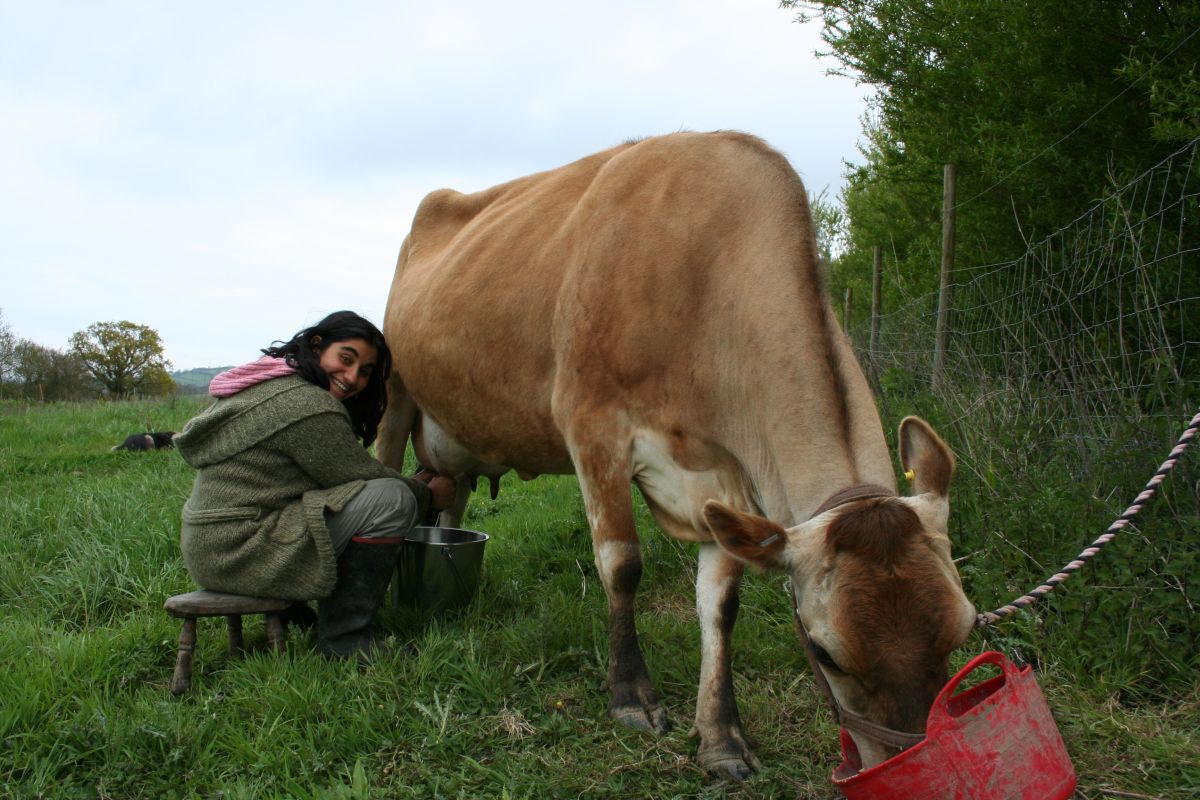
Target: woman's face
349, 365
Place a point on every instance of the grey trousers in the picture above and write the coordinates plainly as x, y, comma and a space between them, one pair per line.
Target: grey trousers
385, 507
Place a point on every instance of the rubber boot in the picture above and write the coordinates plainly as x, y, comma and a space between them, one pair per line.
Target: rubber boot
365, 567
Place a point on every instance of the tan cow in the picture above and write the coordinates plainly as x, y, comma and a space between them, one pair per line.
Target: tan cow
655, 313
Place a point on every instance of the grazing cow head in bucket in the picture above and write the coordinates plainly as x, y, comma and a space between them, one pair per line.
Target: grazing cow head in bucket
876, 592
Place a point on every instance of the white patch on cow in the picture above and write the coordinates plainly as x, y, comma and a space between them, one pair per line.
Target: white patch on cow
590, 508
677, 494
611, 555
967, 615
450, 458
933, 509
712, 585
815, 601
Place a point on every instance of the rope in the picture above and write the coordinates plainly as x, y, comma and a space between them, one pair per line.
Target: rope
992, 617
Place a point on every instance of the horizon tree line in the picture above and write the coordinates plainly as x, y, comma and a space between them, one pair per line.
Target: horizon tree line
114, 360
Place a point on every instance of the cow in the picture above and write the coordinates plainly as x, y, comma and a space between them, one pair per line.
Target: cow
656, 314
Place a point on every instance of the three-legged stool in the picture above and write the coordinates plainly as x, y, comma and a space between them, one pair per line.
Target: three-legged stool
203, 603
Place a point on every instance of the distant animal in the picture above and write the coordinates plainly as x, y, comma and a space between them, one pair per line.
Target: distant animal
656, 313
160, 440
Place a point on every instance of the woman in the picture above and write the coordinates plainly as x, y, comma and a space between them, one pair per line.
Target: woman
287, 502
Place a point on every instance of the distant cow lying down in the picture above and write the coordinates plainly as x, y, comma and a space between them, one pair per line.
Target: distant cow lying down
655, 314
160, 440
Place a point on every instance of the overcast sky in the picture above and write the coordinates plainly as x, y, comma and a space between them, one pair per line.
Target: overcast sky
228, 172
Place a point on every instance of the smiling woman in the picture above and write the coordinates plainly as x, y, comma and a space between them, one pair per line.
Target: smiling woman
349, 365
287, 502
347, 355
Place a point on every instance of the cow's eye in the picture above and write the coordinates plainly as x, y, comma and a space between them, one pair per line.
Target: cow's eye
824, 659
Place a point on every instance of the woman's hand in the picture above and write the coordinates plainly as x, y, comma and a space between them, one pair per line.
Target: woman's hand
442, 489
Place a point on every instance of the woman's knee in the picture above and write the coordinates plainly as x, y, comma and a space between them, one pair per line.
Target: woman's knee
389, 505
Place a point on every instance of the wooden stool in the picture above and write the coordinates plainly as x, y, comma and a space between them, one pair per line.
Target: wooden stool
203, 603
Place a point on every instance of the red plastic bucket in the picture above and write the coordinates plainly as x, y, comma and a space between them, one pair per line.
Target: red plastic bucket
993, 741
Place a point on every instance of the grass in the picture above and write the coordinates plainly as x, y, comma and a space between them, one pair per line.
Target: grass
504, 699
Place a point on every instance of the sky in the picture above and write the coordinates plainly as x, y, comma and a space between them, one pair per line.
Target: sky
228, 172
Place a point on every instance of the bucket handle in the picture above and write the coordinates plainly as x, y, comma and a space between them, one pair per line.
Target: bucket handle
939, 713
458, 578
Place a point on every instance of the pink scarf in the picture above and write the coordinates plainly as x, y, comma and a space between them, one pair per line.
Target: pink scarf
234, 380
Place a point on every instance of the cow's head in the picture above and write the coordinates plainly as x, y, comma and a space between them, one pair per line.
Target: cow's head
876, 589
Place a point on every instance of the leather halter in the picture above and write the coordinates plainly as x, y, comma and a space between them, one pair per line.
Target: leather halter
859, 491
844, 717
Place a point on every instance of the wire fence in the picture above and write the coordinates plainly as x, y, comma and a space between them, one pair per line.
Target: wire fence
1068, 373
1092, 331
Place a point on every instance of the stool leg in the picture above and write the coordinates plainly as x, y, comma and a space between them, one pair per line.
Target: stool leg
276, 632
181, 681
236, 645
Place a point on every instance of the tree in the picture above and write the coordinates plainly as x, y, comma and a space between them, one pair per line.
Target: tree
1043, 107
829, 221
8, 344
48, 374
124, 359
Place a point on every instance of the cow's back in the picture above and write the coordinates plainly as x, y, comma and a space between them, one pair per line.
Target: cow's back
674, 277
471, 308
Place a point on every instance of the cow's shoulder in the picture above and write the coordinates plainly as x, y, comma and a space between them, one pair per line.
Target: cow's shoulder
449, 207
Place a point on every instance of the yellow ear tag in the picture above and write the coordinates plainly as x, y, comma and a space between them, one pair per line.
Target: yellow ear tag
908, 476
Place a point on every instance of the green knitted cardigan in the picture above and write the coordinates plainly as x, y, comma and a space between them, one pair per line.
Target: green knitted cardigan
271, 459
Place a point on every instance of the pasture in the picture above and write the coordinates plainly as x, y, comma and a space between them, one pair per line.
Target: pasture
505, 699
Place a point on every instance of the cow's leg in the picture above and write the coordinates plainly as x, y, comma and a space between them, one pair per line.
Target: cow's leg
722, 745
604, 480
396, 425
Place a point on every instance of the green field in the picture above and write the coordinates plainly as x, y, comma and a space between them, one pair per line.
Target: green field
195, 381
506, 699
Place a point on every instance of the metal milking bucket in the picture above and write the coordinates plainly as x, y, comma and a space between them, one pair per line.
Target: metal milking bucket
438, 569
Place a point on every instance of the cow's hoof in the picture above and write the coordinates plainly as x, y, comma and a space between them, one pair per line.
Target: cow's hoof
734, 768
640, 718
727, 764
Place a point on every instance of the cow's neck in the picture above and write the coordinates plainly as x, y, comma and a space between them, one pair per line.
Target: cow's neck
798, 462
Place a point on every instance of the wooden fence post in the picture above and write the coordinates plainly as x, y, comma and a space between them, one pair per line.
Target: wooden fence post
943, 311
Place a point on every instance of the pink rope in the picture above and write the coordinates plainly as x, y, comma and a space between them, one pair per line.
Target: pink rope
992, 617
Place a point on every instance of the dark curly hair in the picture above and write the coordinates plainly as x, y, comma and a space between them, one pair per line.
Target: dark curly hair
366, 408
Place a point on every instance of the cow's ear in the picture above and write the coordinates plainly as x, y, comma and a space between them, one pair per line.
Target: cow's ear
749, 538
926, 459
